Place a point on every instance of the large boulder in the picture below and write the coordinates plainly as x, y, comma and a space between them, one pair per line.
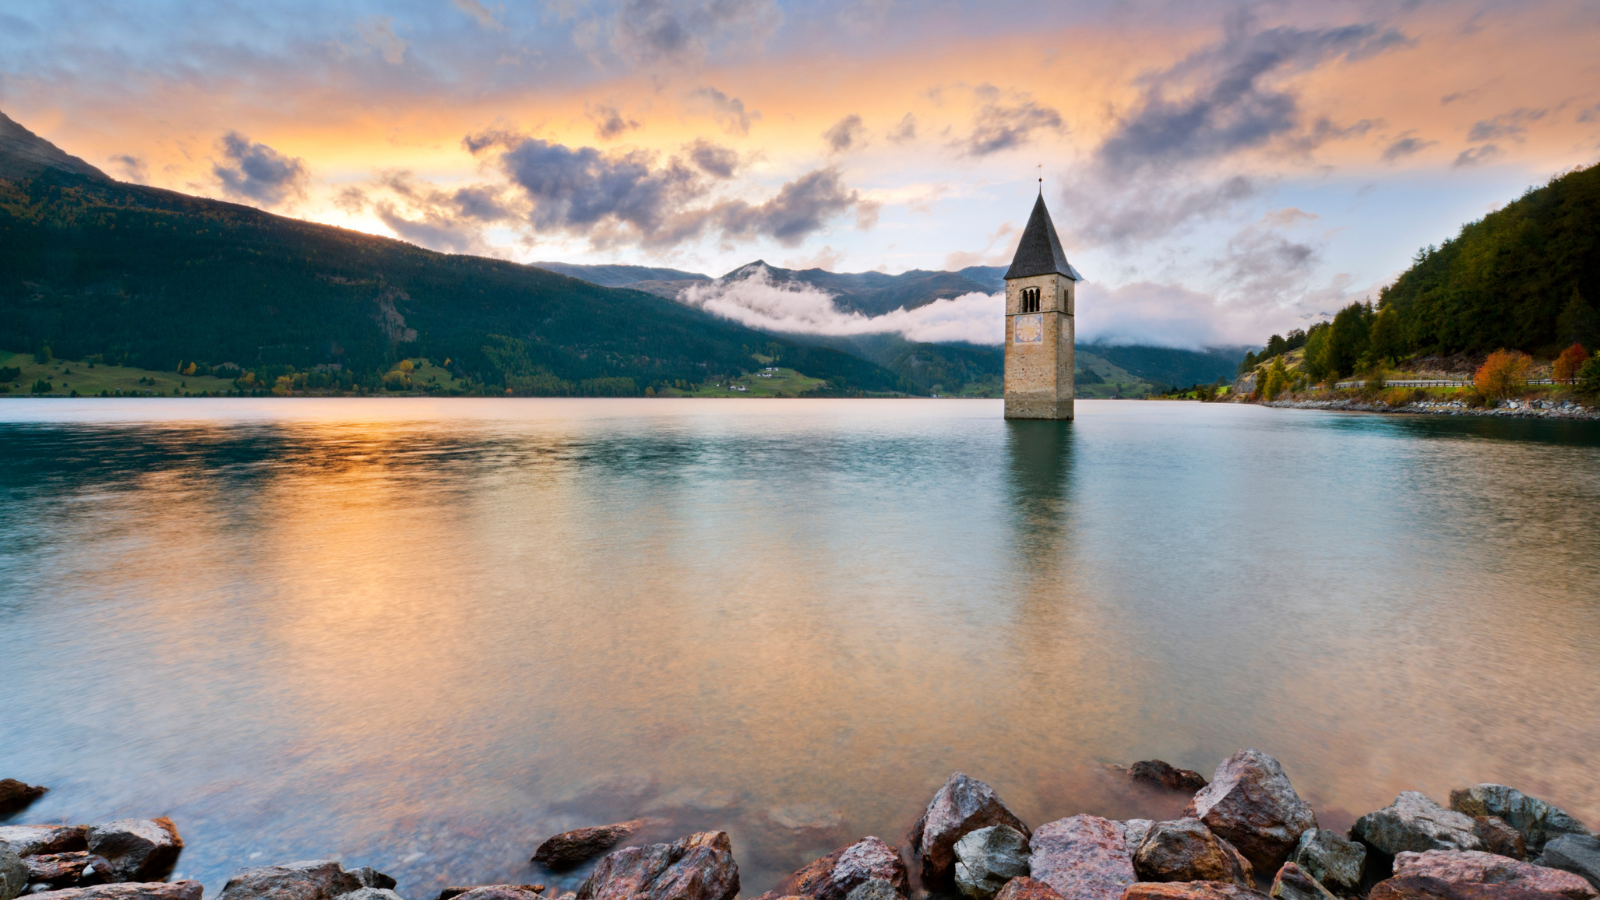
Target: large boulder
1421, 887
31, 840
1334, 862
134, 849
1156, 773
1025, 888
1251, 804
1415, 823
57, 869
1082, 857
15, 796
1294, 883
962, 806
322, 879
698, 867
1537, 821
1186, 850
1498, 837
501, 892
150, 890
1474, 867
1134, 831
572, 847
1576, 853
837, 875
1191, 890
13, 874
875, 889
988, 858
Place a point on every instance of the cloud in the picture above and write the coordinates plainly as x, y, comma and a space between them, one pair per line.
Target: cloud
756, 301
1261, 262
845, 134
480, 13
686, 31
713, 159
1591, 114
378, 32
1222, 98
1506, 125
801, 207
864, 17
133, 168
999, 125
1473, 156
258, 172
1405, 145
729, 112
905, 131
434, 232
1146, 205
609, 121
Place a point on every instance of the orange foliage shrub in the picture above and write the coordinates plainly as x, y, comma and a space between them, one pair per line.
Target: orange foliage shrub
1568, 363
1503, 375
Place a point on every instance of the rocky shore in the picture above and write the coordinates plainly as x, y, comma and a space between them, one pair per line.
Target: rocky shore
1510, 409
1244, 835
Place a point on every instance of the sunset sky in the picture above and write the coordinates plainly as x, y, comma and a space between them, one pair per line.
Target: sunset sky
1217, 171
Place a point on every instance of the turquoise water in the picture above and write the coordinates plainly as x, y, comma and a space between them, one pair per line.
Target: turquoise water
425, 634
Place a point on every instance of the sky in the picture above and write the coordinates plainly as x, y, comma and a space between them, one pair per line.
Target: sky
1217, 171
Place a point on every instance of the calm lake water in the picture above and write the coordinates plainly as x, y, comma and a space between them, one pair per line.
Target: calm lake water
423, 635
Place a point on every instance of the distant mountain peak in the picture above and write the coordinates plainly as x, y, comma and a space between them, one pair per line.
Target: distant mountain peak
24, 154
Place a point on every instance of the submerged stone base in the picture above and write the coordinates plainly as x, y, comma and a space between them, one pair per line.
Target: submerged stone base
1038, 408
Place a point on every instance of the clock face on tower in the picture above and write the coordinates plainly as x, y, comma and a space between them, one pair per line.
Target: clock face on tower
1028, 329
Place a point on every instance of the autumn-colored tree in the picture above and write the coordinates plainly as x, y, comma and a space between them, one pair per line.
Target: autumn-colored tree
1565, 371
1503, 374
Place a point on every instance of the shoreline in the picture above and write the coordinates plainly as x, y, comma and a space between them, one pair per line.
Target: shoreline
1523, 409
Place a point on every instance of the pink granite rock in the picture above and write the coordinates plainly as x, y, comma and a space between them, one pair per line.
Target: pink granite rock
1251, 804
1082, 858
834, 876
1475, 867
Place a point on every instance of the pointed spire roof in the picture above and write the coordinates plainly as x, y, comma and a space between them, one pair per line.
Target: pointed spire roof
1040, 251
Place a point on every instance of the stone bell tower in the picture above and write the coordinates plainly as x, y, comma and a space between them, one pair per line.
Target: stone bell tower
1039, 323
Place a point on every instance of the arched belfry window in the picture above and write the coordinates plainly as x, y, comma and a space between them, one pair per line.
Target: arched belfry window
1030, 300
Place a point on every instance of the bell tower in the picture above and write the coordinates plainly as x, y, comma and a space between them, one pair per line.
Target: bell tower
1039, 323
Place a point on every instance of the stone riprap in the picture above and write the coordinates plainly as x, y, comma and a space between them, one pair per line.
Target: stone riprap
1474, 867
1186, 850
572, 847
1537, 821
16, 796
1156, 773
1333, 861
1191, 890
961, 806
1251, 804
1293, 883
1415, 823
837, 875
1576, 853
698, 867
1083, 858
133, 849
988, 858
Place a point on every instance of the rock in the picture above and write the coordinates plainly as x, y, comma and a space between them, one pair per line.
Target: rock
1537, 821
1134, 832
1251, 804
1082, 858
57, 869
1190, 890
152, 890
15, 796
1500, 838
698, 867
134, 849
1027, 889
962, 806
30, 840
500, 892
1473, 867
1333, 861
1186, 850
1415, 823
371, 893
572, 847
875, 889
322, 879
1421, 887
1159, 774
835, 876
1576, 853
13, 874
988, 858
1294, 883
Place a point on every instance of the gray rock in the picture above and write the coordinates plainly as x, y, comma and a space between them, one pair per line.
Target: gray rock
1473, 867
1186, 850
13, 874
834, 876
962, 806
1537, 821
1294, 883
134, 849
1134, 832
1415, 823
322, 879
1333, 861
371, 893
988, 858
1251, 804
698, 867
155, 890
1575, 853
874, 889
31, 840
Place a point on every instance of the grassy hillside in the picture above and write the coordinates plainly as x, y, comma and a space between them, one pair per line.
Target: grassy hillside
134, 276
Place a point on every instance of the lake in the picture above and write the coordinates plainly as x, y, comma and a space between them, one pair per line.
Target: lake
424, 635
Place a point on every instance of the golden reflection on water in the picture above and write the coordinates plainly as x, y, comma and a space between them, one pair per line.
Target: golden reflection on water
425, 636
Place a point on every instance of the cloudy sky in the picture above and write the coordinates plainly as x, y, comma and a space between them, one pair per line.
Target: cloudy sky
1218, 171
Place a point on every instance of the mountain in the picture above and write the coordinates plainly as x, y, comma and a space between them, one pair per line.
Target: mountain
875, 293
1169, 366
91, 267
618, 275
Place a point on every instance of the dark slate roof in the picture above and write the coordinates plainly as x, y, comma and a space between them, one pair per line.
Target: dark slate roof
1040, 251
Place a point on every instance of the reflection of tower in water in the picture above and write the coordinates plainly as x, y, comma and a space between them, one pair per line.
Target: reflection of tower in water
1039, 487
